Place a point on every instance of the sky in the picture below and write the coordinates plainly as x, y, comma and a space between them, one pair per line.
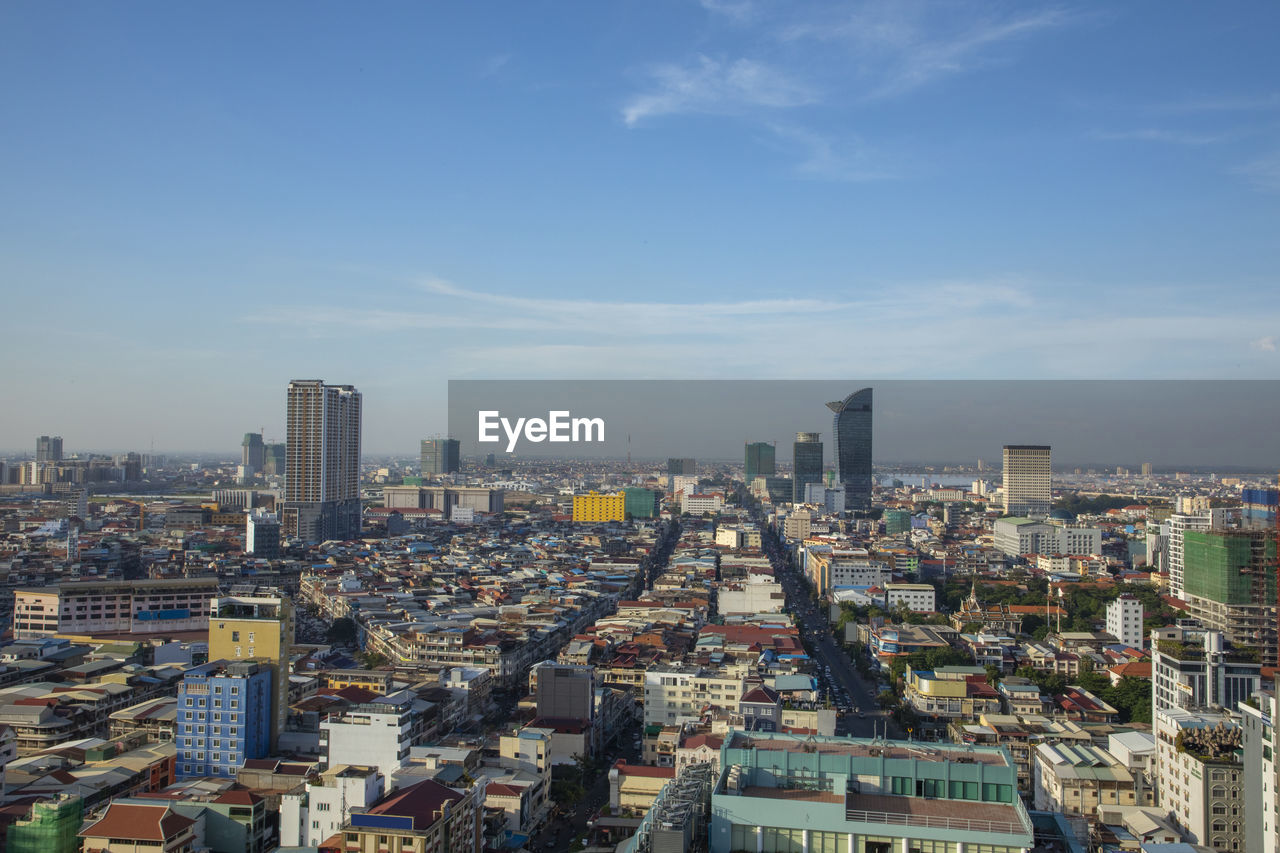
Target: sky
202, 202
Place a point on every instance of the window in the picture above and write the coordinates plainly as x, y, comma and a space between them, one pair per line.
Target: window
235, 636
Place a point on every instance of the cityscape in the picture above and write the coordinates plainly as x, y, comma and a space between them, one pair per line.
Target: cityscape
302, 649
684, 426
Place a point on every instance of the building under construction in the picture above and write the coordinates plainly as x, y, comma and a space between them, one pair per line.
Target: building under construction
1229, 582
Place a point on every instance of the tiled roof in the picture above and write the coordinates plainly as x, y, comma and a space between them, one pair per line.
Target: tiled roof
137, 822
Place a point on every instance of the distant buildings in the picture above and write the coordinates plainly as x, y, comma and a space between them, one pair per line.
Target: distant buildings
680, 467
49, 448
253, 454
322, 485
1027, 480
852, 431
807, 467
440, 456
1023, 536
760, 460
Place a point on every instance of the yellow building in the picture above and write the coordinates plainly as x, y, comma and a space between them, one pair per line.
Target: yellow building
597, 507
257, 626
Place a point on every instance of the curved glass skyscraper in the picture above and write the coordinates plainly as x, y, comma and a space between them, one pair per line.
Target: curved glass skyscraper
853, 447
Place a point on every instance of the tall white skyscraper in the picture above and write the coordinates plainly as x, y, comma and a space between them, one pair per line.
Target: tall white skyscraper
322, 472
1028, 486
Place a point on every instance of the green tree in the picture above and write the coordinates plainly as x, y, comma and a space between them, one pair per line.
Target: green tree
341, 633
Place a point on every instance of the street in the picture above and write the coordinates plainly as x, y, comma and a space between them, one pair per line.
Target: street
866, 719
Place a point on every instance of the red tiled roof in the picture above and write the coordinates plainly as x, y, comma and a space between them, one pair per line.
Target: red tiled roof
239, 798
422, 802
498, 789
137, 823
626, 769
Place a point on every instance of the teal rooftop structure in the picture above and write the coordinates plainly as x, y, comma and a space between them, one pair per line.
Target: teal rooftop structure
809, 794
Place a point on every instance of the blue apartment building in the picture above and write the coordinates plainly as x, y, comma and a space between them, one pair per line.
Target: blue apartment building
224, 718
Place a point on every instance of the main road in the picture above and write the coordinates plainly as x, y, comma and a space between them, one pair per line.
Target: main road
866, 719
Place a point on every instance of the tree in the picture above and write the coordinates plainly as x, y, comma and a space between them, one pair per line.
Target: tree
994, 675
341, 633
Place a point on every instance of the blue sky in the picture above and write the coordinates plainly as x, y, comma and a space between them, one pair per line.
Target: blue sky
203, 201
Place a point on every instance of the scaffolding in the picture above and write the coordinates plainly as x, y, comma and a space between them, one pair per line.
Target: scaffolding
678, 821
52, 827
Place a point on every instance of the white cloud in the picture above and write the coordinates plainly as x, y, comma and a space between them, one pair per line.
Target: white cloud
1263, 173
900, 47
1153, 134
739, 11
1003, 327
716, 87
824, 157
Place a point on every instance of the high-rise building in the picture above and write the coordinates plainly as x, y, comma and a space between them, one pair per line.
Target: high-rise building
1146, 469
1229, 584
256, 624
440, 455
807, 458
253, 453
852, 431
262, 534
274, 459
680, 467
1195, 669
1124, 621
223, 717
322, 484
1028, 489
1261, 770
760, 460
49, 448
1178, 526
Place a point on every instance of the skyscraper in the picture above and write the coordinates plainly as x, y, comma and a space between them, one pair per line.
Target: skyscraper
49, 448
852, 430
439, 455
1027, 479
807, 457
322, 481
679, 467
253, 453
760, 459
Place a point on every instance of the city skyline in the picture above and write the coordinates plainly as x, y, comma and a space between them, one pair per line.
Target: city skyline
962, 190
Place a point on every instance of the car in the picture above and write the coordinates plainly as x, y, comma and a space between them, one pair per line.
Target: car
862, 715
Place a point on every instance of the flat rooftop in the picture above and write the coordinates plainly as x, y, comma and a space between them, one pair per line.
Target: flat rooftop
965, 815
870, 748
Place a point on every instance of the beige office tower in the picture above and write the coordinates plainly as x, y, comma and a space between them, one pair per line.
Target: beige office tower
322, 476
1028, 489
256, 624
